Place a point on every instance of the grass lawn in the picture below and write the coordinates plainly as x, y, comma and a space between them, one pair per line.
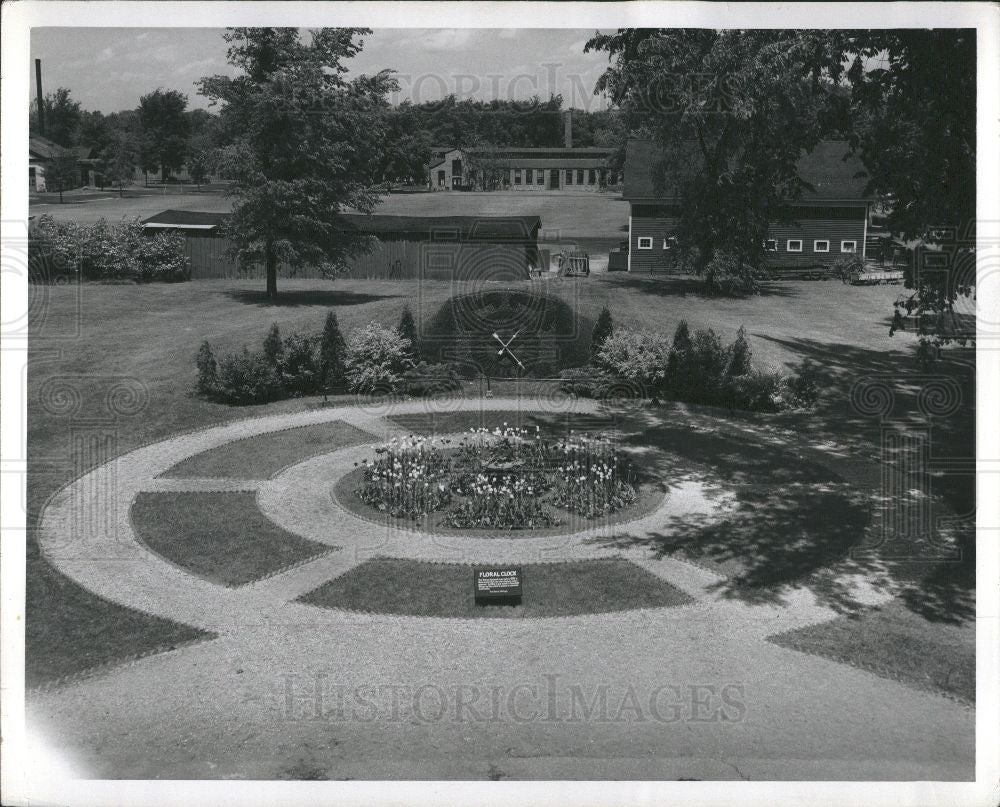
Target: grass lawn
220, 536
263, 456
92, 337
417, 588
896, 643
566, 217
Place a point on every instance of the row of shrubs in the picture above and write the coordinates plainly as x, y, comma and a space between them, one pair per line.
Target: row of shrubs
102, 251
694, 368
375, 359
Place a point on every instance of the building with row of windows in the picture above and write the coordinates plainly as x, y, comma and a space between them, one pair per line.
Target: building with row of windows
830, 218
527, 169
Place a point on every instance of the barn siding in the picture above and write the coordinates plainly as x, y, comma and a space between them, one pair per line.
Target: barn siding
657, 228
393, 259
834, 225
810, 230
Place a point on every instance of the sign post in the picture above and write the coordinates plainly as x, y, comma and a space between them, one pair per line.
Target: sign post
498, 585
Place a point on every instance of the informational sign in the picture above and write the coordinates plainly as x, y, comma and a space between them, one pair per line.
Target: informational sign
498, 585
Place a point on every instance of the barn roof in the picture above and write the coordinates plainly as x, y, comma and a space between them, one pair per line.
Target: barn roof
463, 228
43, 147
829, 169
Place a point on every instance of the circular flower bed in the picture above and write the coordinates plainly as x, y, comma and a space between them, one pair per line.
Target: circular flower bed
507, 478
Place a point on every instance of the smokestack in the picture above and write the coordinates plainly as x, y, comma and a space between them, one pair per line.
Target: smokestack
38, 90
568, 129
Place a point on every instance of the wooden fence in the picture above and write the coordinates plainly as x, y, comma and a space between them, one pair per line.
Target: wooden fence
391, 260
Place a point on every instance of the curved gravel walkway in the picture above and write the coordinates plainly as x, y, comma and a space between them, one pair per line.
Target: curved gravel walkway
222, 708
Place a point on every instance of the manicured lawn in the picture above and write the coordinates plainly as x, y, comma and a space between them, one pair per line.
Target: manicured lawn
93, 337
394, 586
74, 632
220, 536
894, 642
263, 456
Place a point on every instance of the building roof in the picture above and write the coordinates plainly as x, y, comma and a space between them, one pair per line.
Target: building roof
463, 228
829, 169
186, 220
43, 147
579, 162
542, 152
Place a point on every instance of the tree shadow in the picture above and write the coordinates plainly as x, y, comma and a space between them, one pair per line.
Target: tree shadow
930, 554
325, 298
663, 285
774, 539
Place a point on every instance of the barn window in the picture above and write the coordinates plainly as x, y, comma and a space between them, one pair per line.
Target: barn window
569, 177
821, 246
771, 245
440, 179
540, 176
848, 246
645, 243
517, 176
592, 176
579, 176
794, 245
669, 242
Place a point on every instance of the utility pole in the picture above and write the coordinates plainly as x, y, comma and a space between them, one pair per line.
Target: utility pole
41, 98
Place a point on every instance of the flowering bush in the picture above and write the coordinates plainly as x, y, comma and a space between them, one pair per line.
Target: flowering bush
408, 479
506, 478
100, 251
638, 356
375, 359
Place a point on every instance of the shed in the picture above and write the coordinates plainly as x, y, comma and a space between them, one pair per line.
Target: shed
409, 247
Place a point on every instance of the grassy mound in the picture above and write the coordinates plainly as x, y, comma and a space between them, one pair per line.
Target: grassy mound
551, 334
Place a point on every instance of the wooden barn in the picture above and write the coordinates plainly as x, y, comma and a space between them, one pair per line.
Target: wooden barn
408, 247
829, 220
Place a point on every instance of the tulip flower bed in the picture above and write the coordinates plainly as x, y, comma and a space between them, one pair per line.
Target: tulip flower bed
508, 478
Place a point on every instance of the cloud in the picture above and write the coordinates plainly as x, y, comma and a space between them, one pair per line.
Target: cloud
448, 38
105, 55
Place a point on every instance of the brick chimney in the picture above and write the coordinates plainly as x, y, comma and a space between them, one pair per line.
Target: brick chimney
568, 129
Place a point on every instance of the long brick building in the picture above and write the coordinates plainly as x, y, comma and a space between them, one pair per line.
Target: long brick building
829, 220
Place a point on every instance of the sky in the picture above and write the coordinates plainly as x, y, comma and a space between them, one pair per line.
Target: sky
107, 69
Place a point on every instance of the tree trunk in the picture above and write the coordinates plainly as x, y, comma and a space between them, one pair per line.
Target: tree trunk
271, 269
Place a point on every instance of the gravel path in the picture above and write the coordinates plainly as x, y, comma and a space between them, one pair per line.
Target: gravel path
709, 697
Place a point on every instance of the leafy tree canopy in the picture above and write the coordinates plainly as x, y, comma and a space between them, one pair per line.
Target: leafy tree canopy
307, 145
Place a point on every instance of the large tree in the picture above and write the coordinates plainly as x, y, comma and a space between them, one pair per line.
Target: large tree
307, 143
118, 159
62, 173
165, 129
732, 110
62, 117
913, 123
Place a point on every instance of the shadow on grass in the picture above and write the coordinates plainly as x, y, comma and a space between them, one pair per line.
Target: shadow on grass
661, 285
304, 297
